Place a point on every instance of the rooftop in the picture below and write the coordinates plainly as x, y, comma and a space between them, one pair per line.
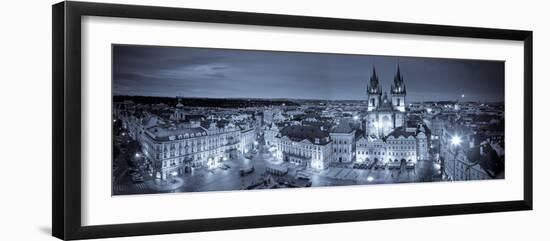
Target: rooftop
401, 131
343, 127
165, 133
487, 158
301, 132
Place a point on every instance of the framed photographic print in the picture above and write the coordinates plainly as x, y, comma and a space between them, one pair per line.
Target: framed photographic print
170, 120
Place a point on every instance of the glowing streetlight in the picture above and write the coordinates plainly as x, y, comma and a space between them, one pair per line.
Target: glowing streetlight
211, 163
138, 155
456, 140
355, 118
370, 179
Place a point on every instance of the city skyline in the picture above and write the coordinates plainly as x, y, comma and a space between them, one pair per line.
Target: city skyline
225, 73
248, 120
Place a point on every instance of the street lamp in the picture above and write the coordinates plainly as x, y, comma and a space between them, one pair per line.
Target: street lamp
456, 140
211, 163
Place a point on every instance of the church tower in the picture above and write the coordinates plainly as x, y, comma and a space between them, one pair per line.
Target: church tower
374, 91
179, 113
398, 92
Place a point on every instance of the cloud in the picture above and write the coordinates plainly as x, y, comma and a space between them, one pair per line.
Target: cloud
219, 73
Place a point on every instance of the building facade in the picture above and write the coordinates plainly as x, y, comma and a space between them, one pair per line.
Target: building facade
387, 137
270, 133
175, 149
473, 158
303, 145
385, 113
402, 146
343, 143
247, 139
370, 149
384, 138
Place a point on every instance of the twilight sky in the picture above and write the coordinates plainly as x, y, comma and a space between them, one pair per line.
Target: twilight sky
224, 73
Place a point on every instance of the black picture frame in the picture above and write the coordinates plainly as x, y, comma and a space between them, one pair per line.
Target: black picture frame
66, 127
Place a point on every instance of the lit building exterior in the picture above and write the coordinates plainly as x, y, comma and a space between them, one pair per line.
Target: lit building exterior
174, 150
387, 139
423, 143
401, 145
361, 150
343, 143
307, 146
179, 113
370, 149
177, 145
247, 139
462, 169
384, 113
270, 134
473, 158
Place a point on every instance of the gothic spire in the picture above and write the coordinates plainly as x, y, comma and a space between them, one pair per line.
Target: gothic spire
374, 86
398, 79
398, 86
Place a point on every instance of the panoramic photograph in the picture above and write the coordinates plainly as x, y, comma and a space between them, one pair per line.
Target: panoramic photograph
188, 119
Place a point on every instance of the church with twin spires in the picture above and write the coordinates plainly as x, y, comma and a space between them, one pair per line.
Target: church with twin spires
385, 113
387, 138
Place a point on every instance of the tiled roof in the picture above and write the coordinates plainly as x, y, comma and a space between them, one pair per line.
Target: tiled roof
301, 132
489, 160
162, 133
485, 118
219, 123
343, 127
401, 131
150, 121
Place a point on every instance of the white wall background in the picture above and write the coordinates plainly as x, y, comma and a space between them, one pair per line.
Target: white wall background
25, 92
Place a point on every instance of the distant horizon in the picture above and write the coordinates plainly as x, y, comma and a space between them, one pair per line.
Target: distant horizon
283, 98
